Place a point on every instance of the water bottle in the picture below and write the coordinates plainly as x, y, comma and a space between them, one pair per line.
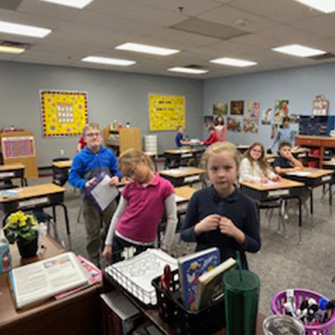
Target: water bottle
5, 256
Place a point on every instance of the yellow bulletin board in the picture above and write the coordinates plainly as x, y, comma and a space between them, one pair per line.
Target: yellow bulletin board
64, 113
166, 112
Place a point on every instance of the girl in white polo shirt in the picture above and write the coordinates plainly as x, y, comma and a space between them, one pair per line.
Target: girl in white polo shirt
143, 202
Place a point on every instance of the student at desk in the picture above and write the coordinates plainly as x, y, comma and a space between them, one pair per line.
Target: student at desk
180, 141
87, 164
212, 138
220, 215
254, 167
286, 162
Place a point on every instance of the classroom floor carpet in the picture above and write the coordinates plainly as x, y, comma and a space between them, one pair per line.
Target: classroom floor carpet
282, 263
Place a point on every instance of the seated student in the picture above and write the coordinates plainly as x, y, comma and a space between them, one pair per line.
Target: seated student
81, 144
180, 141
212, 138
254, 167
286, 162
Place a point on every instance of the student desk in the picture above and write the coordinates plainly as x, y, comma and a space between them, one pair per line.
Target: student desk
61, 167
285, 189
152, 314
184, 153
313, 178
329, 165
184, 194
13, 171
242, 148
299, 153
34, 197
79, 313
182, 176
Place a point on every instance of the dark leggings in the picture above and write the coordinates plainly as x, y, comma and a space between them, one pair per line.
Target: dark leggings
119, 244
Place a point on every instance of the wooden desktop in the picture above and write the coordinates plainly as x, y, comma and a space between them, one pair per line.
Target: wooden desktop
79, 313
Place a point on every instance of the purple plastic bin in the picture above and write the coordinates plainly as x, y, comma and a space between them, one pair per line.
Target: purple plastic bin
277, 306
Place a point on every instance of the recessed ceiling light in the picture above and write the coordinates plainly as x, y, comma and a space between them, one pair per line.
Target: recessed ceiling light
233, 62
70, 3
108, 61
148, 49
299, 50
325, 6
22, 29
187, 70
10, 49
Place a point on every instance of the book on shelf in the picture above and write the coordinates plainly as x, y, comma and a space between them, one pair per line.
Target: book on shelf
191, 267
211, 284
39, 281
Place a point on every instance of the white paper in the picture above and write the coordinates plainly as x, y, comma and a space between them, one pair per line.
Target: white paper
103, 193
299, 173
179, 199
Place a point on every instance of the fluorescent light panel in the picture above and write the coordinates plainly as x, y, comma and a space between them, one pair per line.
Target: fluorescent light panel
70, 3
108, 61
23, 30
148, 49
325, 6
11, 49
299, 50
233, 62
187, 70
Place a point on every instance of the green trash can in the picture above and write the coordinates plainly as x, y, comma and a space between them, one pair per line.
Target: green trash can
241, 302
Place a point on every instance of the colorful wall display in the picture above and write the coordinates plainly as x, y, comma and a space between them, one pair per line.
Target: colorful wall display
250, 125
220, 108
253, 109
267, 116
166, 112
64, 113
281, 110
208, 121
234, 124
237, 107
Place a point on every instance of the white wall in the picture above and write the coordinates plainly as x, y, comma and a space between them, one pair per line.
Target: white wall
298, 85
111, 95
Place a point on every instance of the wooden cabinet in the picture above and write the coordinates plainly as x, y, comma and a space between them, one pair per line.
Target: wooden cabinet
19, 147
119, 140
318, 145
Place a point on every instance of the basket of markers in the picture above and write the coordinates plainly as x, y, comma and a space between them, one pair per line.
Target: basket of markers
316, 312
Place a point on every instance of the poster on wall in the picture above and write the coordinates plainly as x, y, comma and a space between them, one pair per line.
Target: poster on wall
250, 125
208, 121
64, 113
253, 109
267, 116
220, 108
237, 107
234, 124
281, 110
166, 112
320, 106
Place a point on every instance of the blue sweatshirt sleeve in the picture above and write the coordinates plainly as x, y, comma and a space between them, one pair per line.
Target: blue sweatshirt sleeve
76, 173
252, 241
191, 219
113, 166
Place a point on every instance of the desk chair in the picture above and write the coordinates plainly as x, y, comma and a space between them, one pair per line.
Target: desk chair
60, 179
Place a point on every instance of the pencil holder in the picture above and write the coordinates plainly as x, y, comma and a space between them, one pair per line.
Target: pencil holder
171, 308
277, 306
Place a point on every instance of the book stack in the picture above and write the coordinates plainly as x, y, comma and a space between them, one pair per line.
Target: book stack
150, 144
201, 278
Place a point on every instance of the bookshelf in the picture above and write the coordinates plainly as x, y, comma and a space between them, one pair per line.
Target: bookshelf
119, 140
19, 147
318, 146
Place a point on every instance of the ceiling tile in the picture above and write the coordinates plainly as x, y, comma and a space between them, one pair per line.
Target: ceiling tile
285, 11
230, 16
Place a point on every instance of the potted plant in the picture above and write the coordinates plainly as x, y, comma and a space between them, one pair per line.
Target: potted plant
21, 228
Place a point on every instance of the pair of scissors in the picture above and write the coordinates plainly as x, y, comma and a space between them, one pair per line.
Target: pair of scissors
166, 278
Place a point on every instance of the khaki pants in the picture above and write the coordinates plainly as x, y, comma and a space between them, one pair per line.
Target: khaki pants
96, 232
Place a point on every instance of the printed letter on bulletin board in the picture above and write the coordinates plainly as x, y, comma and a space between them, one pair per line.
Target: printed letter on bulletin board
63, 113
166, 112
